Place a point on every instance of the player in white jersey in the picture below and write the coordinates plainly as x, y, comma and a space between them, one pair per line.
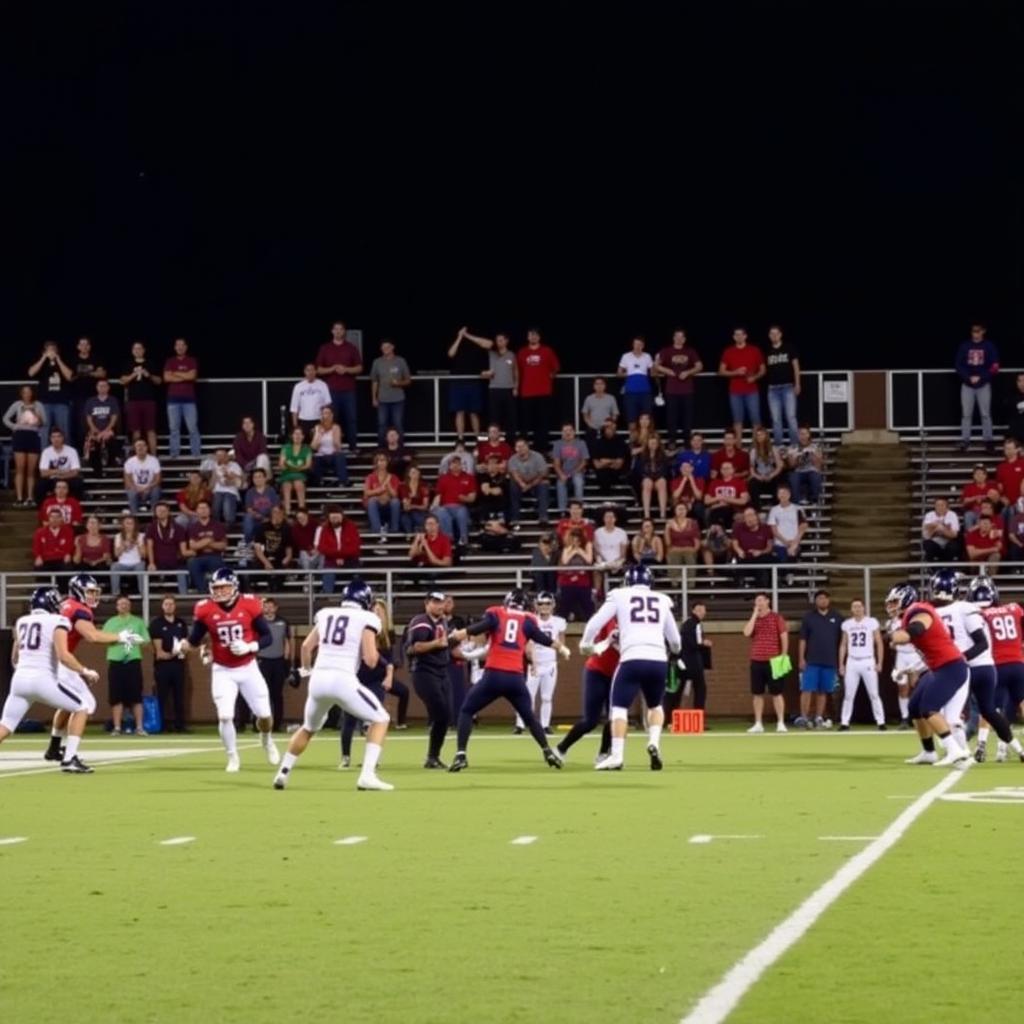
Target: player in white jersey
906, 671
40, 652
543, 674
645, 622
342, 637
860, 660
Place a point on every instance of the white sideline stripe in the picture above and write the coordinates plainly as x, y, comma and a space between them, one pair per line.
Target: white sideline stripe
701, 839
718, 1002
523, 840
177, 841
350, 840
848, 839
12, 840
53, 768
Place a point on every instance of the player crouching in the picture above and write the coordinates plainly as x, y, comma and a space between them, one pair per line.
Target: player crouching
342, 637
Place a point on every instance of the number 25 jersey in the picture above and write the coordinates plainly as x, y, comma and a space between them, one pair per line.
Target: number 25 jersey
645, 623
226, 623
341, 638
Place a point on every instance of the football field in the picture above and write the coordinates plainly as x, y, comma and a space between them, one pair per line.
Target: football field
805, 877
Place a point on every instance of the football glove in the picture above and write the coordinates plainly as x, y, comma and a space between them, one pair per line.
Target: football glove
240, 647
129, 638
586, 649
204, 655
305, 673
90, 675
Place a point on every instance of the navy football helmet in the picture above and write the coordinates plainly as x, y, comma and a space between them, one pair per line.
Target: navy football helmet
639, 576
86, 588
545, 597
518, 599
359, 593
944, 586
223, 585
45, 599
900, 598
982, 592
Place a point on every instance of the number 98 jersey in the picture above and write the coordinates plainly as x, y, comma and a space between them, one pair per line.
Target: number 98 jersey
341, 638
1004, 623
227, 623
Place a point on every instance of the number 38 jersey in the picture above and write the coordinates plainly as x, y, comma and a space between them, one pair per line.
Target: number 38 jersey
1004, 624
645, 623
341, 638
227, 623
34, 634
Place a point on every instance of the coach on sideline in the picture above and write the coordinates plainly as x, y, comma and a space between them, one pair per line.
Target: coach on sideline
426, 642
820, 633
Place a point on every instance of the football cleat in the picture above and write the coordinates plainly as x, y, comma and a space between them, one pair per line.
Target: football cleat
548, 731
345, 763
655, 755
924, 757
980, 754
882, 727
552, 759
435, 764
609, 764
843, 728
601, 755
54, 752
372, 782
75, 767
955, 758
459, 763
1001, 753
234, 764
281, 779
905, 725
270, 749
518, 731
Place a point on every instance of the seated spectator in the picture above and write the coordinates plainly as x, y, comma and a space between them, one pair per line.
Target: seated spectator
726, 497
102, 421
940, 533
697, 456
415, 496
303, 530
1010, 474
492, 488
688, 488
575, 580
653, 476
250, 448
92, 548
732, 453
400, 458
609, 457
611, 544
142, 478
456, 493
206, 541
380, 495
189, 497
788, 525
599, 408
328, 456
431, 549
462, 453
495, 536
575, 520
978, 490
529, 471
569, 457
543, 560
166, 544
765, 467
648, 547
294, 464
805, 462
752, 544
1015, 533
129, 555
59, 461
985, 542
717, 547
338, 541
309, 397
272, 544
26, 419
228, 479
682, 537
260, 500
494, 444
53, 544
70, 508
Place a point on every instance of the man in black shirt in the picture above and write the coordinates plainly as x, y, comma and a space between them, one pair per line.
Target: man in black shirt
609, 457
693, 653
141, 379
783, 365
83, 387
426, 641
168, 667
491, 489
272, 544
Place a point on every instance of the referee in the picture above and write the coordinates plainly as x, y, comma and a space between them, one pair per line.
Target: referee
426, 640
168, 668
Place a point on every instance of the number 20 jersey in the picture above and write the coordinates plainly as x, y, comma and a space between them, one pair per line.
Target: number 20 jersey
341, 638
226, 623
645, 622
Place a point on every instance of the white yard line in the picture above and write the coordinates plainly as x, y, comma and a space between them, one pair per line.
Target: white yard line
351, 840
718, 1002
523, 840
702, 839
134, 757
848, 839
178, 841
13, 840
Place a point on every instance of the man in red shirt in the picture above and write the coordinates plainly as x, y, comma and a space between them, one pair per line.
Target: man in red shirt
725, 498
53, 544
679, 364
538, 366
744, 365
769, 637
339, 542
494, 445
180, 372
752, 542
1010, 473
339, 363
69, 507
730, 452
978, 490
985, 543
456, 491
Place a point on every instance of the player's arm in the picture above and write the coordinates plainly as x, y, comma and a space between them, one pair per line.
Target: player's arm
915, 628
976, 631
67, 659
604, 614
87, 630
675, 642
533, 632
264, 638
843, 644
488, 624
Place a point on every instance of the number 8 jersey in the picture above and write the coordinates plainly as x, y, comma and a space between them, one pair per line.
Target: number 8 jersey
341, 638
227, 623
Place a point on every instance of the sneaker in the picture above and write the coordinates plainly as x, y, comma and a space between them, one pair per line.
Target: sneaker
609, 764
281, 778
843, 728
551, 758
905, 725
518, 730
372, 782
655, 755
115, 732
141, 732
75, 767
980, 754
822, 723
234, 764
345, 763
781, 727
802, 723
924, 757
882, 727
459, 763
54, 752
756, 727
433, 764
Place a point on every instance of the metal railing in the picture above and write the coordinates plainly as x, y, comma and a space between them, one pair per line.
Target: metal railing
929, 399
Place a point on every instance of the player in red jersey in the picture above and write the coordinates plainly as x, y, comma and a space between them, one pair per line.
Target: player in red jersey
509, 627
597, 687
236, 629
947, 676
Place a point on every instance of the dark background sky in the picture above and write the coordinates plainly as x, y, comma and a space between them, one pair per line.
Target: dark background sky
246, 173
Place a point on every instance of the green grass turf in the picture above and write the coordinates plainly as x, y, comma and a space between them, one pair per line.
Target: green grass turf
611, 916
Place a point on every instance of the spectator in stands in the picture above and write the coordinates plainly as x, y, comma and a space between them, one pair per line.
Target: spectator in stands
679, 364
339, 542
168, 667
609, 457
303, 531
985, 542
430, 548
272, 543
688, 489
339, 363
977, 364
165, 544
717, 547
92, 549
732, 453
414, 494
188, 499
569, 456
456, 494
496, 445
940, 532
53, 544
492, 488
1010, 473
400, 458
538, 367
250, 448
769, 638
682, 537
70, 507
328, 456
726, 498
180, 373
228, 479
294, 462
308, 399
635, 366
654, 468
129, 555
1015, 533
698, 457
575, 520
543, 560
26, 419
205, 546
88, 373
598, 408
788, 525
1016, 411
466, 395
52, 378
260, 500
765, 467
638, 437
529, 471
124, 668
59, 461
380, 496
978, 490
502, 375
141, 380
460, 452
611, 544
102, 419
648, 548
752, 543
575, 581
783, 369
142, 478
389, 377
806, 463
744, 365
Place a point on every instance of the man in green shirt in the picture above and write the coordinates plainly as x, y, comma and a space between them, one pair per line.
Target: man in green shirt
124, 667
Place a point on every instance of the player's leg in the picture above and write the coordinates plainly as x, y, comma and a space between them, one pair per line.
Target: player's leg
653, 687
253, 688
68, 693
14, 710
548, 682
870, 677
58, 732
851, 684
983, 686
514, 690
625, 687
595, 696
480, 696
533, 686
943, 704
348, 728
363, 704
224, 691
318, 703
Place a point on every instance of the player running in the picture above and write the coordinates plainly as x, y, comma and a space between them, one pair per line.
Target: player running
236, 629
860, 661
509, 626
41, 649
342, 637
598, 672
645, 622
543, 674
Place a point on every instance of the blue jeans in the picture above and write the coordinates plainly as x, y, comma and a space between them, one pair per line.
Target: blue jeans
200, 566
335, 465
810, 481
389, 414
562, 490
634, 404
516, 500
176, 412
344, 405
329, 579
249, 526
117, 571
451, 516
225, 507
969, 397
58, 414
373, 510
135, 500
782, 403
749, 404
413, 520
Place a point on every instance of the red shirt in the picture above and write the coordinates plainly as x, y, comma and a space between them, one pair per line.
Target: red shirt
303, 537
421, 499
935, 645
738, 457
1004, 626
372, 481
567, 524
338, 543
74, 611
70, 510
719, 489
537, 367
440, 547
485, 449
974, 494
345, 354
766, 641
53, 547
451, 487
181, 390
1009, 475
752, 540
226, 623
748, 359
608, 662
509, 638
976, 539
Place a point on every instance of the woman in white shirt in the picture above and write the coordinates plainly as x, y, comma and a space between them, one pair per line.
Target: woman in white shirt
635, 365
227, 478
129, 554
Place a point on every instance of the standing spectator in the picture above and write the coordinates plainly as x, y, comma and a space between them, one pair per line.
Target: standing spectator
492, 488
538, 367
1010, 473
129, 555
688, 489
205, 546
339, 363
415, 496
744, 365
430, 548
124, 668
1015, 533
303, 530
502, 376
726, 498
694, 651
940, 531
70, 507
168, 667
328, 456
53, 544
180, 373
575, 581
227, 479
806, 463
788, 525
978, 490
88, 374
188, 499
275, 660
142, 478
92, 549
494, 444
679, 363
26, 419
529, 471
456, 492
682, 537
260, 500
752, 544
250, 448
569, 456
465, 396
820, 634
769, 638
783, 363
543, 560
1016, 411
309, 397
102, 413
977, 364
165, 546
698, 457
598, 408
59, 461
380, 495
985, 542
654, 468
389, 377
611, 543
635, 365
295, 461
338, 541
141, 380
609, 457
765, 467
272, 544
52, 377
400, 458
427, 644
648, 548
730, 452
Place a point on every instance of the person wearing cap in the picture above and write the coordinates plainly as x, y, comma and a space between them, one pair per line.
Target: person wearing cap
820, 634
426, 641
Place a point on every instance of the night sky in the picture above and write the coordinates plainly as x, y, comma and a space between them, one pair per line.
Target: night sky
246, 175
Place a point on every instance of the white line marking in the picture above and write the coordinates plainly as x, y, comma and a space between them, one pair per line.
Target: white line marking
130, 757
523, 840
848, 839
178, 841
901, 796
12, 840
701, 839
718, 1002
350, 840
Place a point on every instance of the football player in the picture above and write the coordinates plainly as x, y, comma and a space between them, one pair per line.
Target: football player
860, 660
905, 672
543, 674
598, 672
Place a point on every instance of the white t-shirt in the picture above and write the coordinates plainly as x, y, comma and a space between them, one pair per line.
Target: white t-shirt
645, 622
634, 364
142, 471
950, 519
608, 544
222, 476
34, 636
962, 619
308, 399
341, 637
860, 642
66, 458
554, 627
787, 519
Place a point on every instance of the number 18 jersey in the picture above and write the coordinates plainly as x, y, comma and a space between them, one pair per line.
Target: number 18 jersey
341, 638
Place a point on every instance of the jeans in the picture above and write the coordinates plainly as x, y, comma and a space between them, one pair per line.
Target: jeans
249, 526
344, 405
516, 500
809, 480
635, 403
413, 520
781, 554
389, 414
562, 490
136, 500
176, 412
749, 404
373, 510
200, 566
782, 404
225, 506
58, 414
117, 570
534, 419
450, 516
159, 577
329, 579
968, 397
335, 465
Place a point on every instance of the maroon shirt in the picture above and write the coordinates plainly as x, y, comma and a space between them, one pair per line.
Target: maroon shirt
197, 531
678, 359
303, 536
246, 449
752, 540
167, 541
181, 390
345, 354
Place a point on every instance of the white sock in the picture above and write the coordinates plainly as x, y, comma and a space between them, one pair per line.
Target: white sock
654, 734
982, 735
1001, 748
371, 755
228, 736
520, 724
1015, 746
288, 762
545, 713
71, 747
266, 738
904, 708
618, 747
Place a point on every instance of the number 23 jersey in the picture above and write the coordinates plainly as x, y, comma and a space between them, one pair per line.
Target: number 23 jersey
226, 623
341, 638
